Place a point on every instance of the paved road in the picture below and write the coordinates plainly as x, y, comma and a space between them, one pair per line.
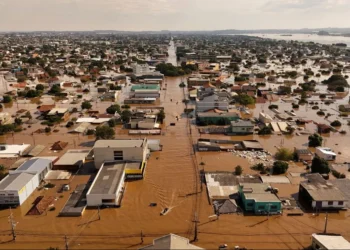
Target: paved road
172, 54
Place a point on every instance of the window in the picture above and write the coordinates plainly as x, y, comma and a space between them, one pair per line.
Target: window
261, 207
118, 155
330, 203
250, 204
274, 207
341, 203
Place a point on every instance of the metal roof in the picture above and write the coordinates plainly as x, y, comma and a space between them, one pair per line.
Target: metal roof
332, 242
16, 181
257, 192
35, 165
72, 157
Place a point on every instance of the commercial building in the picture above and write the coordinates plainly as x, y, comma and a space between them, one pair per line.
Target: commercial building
145, 91
325, 153
319, 194
242, 127
107, 187
195, 81
140, 69
21, 183
217, 118
171, 241
214, 101
329, 242
120, 150
259, 198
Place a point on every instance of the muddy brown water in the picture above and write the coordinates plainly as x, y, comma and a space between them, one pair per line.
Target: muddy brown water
171, 180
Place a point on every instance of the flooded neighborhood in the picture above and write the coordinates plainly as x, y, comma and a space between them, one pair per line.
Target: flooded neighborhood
117, 141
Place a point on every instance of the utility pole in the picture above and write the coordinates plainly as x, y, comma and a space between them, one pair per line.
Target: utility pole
325, 224
99, 214
195, 227
66, 242
13, 225
141, 237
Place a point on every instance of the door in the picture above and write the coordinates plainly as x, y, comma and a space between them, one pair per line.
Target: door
318, 204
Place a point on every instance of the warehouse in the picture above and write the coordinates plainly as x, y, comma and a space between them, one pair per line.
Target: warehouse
17, 187
120, 150
107, 187
39, 166
72, 160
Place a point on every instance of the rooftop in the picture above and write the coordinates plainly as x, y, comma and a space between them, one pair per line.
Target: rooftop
332, 242
171, 241
213, 114
258, 192
16, 181
145, 86
55, 111
34, 165
72, 157
119, 143
321, 190
108, 178
242, 123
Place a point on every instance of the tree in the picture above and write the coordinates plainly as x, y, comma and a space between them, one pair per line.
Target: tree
39, 87
266, 130
47, 130
244, 99
113, 109
319, 166
238, 170
7, 99
32, 93
279, 167
315, 140
284, 154
112, 123
104, 133
125, 115
55, 89
86, 105
161, 116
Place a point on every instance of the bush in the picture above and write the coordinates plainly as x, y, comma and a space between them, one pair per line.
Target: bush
284, 154
90, 132
112, 123
279, 167
104, 133
69, 124
295, 106
113, 109
322, 96
7, 99
49, 185
182, 85
238, 170
336, 123
338, 175
86, 105
321, 113
126, 106
315, 107
266, 130
47, 130
258, 167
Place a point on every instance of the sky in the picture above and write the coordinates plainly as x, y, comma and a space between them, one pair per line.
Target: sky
139, 15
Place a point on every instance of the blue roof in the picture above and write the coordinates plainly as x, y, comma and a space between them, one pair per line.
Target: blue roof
37, 165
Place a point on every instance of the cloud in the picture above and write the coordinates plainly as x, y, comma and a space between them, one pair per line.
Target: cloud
278, 5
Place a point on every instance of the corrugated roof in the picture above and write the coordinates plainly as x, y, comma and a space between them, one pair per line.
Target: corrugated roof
35, 165
16, 182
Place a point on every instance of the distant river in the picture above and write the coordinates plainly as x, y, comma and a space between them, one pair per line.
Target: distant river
306, 38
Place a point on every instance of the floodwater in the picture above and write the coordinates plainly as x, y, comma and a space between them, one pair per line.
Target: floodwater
172, 181
307, 38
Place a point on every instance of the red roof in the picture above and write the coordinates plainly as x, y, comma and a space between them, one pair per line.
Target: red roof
46, 108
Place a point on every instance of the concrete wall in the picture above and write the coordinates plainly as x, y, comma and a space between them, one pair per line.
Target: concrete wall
325, 204
129, 154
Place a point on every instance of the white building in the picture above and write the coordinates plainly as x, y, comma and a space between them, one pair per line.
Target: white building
8, 151
107, 187
171, 241
21, 183
265, 118
325, 153
329, 242
120, 150
140, 69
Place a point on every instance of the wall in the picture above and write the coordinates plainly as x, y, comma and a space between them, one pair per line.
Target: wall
243, 130
325, 204
129, 154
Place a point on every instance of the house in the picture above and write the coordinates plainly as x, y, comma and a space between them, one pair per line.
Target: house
5, 118
60, 112
59, 145
217, 118
320, 194
170, 241
242, 127
258, 198
213, 101
13, 150
44, 109
265, 118
325, 153
346, 108
323, 128
107, 187
304, 154
143, 121
329, 242
16, 187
